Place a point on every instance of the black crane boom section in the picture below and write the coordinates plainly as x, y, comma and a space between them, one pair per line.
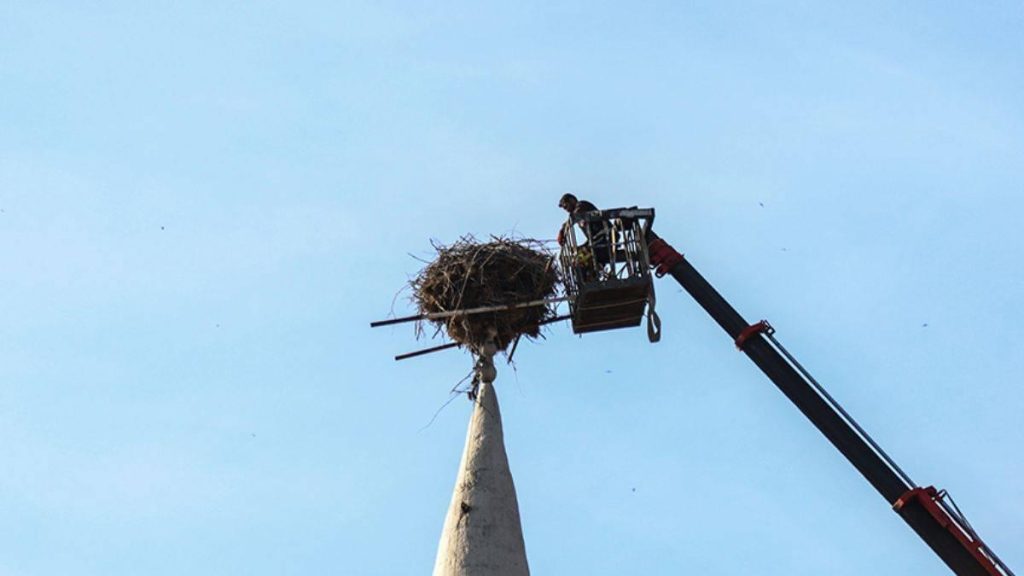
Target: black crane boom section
961, 551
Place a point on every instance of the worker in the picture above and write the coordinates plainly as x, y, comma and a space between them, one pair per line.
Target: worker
595, 231
573, 205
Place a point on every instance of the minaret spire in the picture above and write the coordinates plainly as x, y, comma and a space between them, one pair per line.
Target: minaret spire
482, 534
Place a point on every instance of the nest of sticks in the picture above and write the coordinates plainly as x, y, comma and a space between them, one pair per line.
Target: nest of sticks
503, 272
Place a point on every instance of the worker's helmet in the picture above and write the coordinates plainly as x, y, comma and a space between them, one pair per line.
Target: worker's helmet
567, 201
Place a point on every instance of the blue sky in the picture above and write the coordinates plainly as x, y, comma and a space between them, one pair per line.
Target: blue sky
203, 205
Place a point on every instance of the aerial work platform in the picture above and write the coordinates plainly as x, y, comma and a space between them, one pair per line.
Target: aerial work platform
606, 268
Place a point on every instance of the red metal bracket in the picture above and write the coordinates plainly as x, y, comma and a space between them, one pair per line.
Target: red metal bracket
762, 327
663, 256
919, 494
928, 499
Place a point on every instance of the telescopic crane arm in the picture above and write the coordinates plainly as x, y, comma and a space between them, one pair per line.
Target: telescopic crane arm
938, 522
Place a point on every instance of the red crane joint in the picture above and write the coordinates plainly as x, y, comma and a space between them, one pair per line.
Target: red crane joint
929, 498
663, 256
762, 327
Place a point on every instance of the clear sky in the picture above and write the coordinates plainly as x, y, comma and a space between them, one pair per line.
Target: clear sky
204, 204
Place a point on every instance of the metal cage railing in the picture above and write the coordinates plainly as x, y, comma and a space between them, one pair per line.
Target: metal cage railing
604, 245
606, 267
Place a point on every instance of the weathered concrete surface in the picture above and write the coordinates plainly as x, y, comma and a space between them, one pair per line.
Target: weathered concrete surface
482, 533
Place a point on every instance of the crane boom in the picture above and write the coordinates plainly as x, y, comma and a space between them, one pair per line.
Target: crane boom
938, 523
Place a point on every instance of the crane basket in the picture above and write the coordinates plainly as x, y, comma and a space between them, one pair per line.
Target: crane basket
606, 268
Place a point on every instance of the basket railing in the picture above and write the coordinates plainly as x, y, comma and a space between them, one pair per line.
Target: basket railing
604, 246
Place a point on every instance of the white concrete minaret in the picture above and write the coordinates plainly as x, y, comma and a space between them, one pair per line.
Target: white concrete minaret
482, 535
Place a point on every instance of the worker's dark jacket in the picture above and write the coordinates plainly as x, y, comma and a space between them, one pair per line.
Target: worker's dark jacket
599, 240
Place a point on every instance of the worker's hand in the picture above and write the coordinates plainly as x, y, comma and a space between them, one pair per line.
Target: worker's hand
561, 236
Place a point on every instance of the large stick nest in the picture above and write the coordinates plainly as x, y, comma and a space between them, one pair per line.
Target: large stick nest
502, 272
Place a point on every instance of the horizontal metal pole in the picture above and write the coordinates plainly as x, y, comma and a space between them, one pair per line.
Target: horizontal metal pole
478, 310
427, 351
457, 344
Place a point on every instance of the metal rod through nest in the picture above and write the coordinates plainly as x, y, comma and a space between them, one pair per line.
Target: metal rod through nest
457, 344
479, 310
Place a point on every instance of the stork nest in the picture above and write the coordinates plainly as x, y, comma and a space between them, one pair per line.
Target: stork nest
503, 272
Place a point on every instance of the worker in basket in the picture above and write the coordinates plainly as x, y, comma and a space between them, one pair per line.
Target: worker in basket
593, 255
